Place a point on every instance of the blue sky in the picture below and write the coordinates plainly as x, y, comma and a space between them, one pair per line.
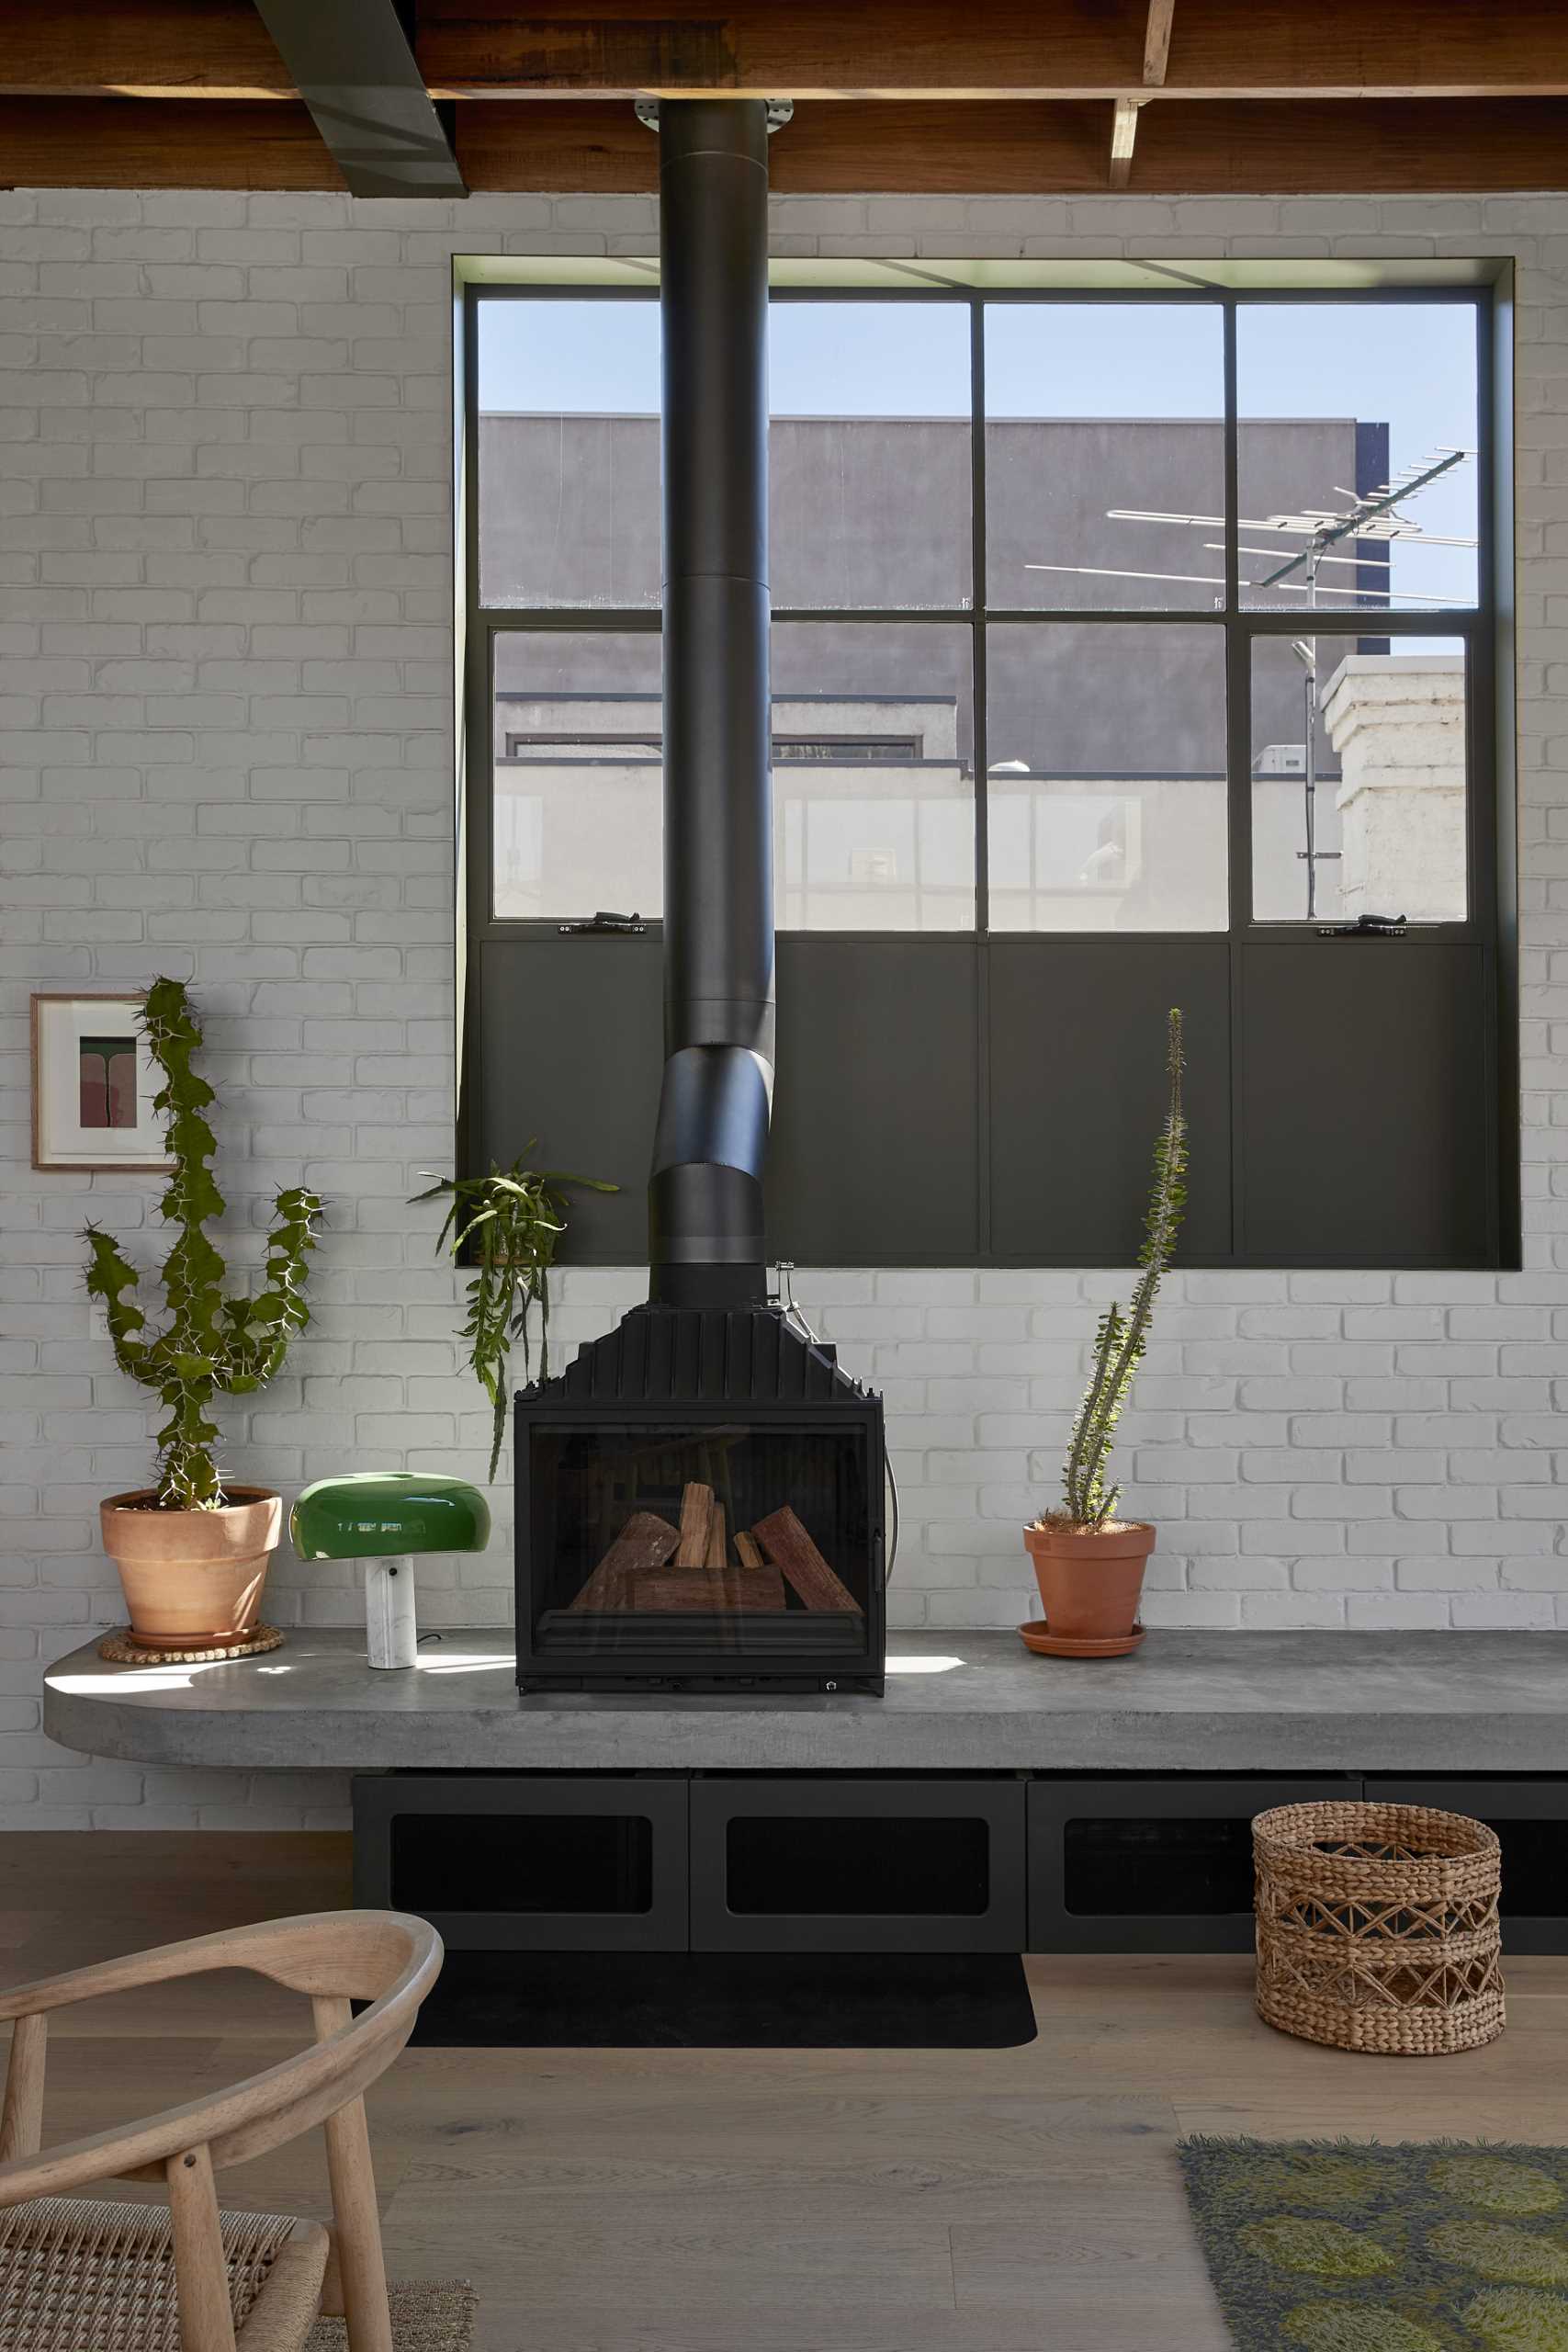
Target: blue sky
1408, 364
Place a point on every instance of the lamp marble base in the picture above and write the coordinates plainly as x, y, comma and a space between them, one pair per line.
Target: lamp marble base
392, 1632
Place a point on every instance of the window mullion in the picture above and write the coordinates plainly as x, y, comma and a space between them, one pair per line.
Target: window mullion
1231, 533
977, 593
1238, 720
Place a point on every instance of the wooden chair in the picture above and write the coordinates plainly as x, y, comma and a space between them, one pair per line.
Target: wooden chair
124, 2277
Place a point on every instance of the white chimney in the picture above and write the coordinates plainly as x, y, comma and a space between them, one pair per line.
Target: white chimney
1397, 722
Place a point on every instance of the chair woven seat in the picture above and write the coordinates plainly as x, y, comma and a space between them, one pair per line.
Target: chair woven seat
84, 2275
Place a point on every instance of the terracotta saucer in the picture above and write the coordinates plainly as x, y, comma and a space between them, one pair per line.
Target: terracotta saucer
1038, 1637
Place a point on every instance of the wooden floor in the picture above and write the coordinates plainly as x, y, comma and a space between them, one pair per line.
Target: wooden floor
1016, 2200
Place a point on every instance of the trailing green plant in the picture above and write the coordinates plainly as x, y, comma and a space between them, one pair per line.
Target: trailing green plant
210, 1345
510, 1222
1121, 1340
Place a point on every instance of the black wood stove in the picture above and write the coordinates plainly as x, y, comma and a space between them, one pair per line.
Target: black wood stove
700, 1507
700, 1494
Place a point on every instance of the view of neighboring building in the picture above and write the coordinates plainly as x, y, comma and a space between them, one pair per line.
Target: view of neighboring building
1104, 748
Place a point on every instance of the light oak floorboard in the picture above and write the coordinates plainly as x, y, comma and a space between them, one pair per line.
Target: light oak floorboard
666, 2200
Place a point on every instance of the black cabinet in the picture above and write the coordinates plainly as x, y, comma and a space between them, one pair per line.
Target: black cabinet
797, 1864
598, 1862
589, 1862
1125, 1863
848, 1862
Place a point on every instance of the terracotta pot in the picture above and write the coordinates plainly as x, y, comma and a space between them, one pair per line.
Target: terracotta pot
1090, 1582
193, 1579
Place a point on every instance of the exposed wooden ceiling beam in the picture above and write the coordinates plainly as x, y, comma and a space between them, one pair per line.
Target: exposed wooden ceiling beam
353, 65
1007, 148
1123, 138
895, 49
1016, 148
155, 49
913, 48
1156, 41
1124, 111
161, 142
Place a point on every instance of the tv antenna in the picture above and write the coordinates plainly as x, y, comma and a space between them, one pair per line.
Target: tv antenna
1372, 514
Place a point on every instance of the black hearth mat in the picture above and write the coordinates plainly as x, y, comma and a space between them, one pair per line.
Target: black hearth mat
727, 2001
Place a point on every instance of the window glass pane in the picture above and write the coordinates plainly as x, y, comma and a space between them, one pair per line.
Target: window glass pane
579, 810
869, 453
1359, 778
569, 452
1104, 435
1106, 783
874, 781
1356, 411
872, 776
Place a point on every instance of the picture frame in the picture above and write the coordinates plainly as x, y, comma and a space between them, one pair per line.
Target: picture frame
94, 1081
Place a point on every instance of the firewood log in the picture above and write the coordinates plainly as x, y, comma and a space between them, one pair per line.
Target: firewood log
757, 1577
677, 1588
791, 1549
645, 1542
717, 1556
696, 1512
710, 1591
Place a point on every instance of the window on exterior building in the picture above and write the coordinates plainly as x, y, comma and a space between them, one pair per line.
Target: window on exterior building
847, 747
1128, 649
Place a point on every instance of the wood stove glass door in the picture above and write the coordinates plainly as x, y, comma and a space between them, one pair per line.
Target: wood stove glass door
684, 1541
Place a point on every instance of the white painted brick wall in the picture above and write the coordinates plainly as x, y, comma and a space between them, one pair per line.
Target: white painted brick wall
225, 648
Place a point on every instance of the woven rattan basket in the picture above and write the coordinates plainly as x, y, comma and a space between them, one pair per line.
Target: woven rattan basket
1377, 1928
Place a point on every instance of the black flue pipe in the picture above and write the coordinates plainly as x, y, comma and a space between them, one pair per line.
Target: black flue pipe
707, 1244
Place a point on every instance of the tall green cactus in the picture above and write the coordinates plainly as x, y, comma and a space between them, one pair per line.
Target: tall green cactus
209, 1346
1120, 1338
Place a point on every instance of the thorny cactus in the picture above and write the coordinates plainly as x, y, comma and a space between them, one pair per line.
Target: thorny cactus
1120, 1338
209, 1346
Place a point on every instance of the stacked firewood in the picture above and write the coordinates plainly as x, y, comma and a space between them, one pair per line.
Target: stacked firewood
653, 1565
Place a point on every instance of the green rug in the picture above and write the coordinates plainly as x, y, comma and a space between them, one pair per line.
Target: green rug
1431, 2247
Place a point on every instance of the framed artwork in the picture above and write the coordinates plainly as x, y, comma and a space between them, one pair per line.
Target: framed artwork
94, 1081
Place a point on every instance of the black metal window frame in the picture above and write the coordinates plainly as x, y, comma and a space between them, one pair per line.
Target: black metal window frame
1490, 921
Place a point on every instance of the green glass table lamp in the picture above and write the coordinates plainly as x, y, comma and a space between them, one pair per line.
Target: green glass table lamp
384, 1518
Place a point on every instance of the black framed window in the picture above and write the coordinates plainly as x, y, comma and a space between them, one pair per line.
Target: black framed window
1128, 649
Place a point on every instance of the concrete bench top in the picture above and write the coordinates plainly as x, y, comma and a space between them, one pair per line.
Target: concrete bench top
1187, 1702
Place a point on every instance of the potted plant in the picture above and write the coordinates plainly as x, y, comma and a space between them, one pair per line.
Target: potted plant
192, 1552
1088, 1563
510, 1223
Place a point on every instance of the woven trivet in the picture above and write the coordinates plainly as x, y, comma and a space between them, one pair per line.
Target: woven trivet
120, 1650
